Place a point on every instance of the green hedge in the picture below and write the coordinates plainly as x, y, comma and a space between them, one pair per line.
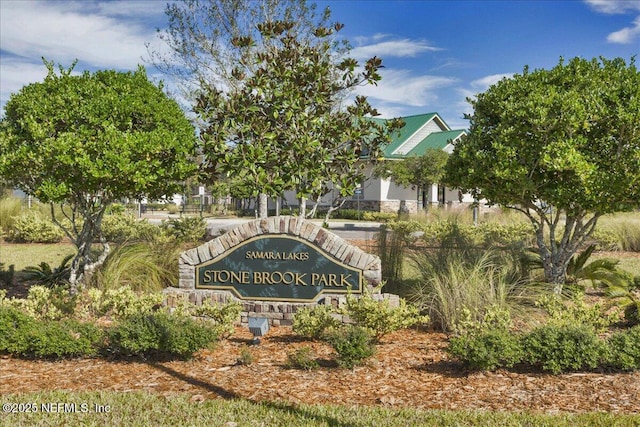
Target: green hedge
550, 348
23, 335
159, 334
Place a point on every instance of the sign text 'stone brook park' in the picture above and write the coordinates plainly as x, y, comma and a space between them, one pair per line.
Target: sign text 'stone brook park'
279, 259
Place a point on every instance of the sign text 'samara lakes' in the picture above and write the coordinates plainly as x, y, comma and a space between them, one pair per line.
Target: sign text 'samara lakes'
278, 267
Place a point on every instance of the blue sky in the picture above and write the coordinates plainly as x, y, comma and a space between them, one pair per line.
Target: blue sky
436, 53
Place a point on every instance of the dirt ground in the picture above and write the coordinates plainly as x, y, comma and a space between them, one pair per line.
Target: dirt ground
410, 369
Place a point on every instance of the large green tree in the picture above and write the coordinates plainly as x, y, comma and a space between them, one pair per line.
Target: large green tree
282, 125
267, 78
416, 171
85, 141
562, 146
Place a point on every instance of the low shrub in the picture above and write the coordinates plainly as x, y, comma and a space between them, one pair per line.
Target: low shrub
379, 216
32, 228
246, 356
559, 349
313, 322
15, 328
23, 335
624, 349
491, 234
302, 358
489, 350
379, 316
221, 317
44, 303
65, 338
354, 214
159, 334
121, 302
120, 227
575, 312
186, 229
353, 345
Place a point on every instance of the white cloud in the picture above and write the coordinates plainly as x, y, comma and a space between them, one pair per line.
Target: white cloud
98, 34
128, 8
462, 106
63, 31
614, 7
627, 34
399, 48
390, 111
401, 87
480, 85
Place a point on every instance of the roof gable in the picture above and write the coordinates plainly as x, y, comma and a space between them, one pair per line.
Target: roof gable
412, 124
438, 140
419, 133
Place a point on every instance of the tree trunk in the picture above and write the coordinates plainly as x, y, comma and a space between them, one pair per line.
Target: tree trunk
556, 254
302, 207
263, 208
334, 208
90, 230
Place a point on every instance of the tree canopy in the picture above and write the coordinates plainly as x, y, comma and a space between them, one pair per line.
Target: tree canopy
281, 124
566, 138
202, 33
91, 139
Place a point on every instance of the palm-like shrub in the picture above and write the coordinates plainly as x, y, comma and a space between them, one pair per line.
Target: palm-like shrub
43, 274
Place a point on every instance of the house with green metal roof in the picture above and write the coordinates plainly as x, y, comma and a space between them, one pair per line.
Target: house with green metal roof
420, 132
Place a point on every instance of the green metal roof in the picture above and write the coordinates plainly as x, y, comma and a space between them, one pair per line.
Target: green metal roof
437, 140
412, 124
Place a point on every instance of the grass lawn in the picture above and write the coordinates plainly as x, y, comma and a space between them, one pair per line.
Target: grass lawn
144, 409
27, 254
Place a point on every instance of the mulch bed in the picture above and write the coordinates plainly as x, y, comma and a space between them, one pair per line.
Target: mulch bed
410, 369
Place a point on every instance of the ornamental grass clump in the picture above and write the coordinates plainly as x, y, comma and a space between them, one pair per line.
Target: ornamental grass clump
144, 267
458, 284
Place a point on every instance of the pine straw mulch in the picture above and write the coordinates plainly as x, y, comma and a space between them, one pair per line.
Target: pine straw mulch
410, 369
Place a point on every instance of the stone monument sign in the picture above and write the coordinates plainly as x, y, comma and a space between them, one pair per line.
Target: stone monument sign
283, 259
